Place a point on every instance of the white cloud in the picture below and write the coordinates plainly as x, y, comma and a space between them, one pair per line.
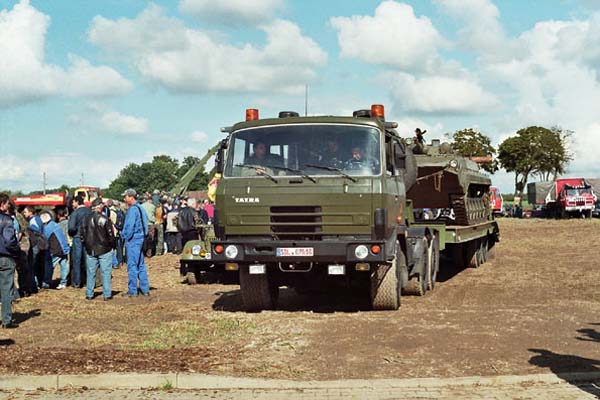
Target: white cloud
121, 123
481, 29
26, 77
232, 11
394, 36
406, 128
438, 94
199, 137
186, 60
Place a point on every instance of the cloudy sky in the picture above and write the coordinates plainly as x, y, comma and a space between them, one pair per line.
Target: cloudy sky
89, 86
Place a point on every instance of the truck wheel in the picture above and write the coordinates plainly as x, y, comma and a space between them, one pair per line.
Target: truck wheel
192, 278
418, 282
434, 254
257, 294
385, 285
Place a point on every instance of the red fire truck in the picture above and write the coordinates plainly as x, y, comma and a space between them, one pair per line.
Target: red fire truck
496, 201
564, 197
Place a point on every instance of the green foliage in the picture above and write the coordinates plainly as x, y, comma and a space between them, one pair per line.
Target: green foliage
535, 151
469, 142
162, 173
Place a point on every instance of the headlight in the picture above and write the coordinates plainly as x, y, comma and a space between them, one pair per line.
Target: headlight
196, 249
454, 163
361, 252
231, 251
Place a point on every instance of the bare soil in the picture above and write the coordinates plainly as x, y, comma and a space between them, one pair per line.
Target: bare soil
535, 308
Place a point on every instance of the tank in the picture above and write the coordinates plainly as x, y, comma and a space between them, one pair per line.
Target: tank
449, 185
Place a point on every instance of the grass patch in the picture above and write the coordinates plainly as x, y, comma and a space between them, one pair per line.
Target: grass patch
181, 334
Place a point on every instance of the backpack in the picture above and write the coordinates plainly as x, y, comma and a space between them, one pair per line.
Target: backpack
120, 219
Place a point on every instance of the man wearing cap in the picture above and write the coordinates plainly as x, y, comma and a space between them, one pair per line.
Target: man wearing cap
134, 231
99, 241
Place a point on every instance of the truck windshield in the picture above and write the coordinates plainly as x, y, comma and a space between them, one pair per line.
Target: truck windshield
305, 149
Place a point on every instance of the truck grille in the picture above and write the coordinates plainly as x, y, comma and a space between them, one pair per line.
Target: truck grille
297, 222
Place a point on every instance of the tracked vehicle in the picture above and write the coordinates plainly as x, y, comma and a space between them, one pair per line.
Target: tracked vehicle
319, 202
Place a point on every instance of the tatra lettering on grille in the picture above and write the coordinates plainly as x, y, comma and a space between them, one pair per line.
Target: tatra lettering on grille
247, 199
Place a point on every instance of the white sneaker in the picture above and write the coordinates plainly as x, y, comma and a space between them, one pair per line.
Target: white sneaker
61, 286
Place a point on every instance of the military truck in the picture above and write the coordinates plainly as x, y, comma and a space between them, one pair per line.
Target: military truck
314, 202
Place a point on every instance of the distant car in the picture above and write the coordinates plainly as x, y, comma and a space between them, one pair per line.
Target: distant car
596, 210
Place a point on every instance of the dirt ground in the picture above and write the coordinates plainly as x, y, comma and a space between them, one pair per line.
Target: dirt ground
535, 308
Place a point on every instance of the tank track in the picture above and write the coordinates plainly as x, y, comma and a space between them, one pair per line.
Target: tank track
469, 210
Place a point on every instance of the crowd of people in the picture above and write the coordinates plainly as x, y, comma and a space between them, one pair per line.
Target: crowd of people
101, 237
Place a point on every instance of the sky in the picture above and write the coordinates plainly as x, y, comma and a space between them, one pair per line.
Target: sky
87, 87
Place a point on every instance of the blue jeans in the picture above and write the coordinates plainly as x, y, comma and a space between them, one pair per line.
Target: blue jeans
7, 282
78, 262
64, 269
136, 267
105, 263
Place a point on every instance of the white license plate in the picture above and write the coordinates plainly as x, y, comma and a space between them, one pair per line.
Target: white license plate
295, 252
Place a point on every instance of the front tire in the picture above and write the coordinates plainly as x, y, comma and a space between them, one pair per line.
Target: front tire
257, 293
385, 284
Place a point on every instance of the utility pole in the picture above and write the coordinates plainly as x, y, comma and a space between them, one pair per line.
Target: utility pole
44, 182
82, 179
306, 100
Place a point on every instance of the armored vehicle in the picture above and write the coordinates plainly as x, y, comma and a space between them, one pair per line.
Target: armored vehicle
315, 202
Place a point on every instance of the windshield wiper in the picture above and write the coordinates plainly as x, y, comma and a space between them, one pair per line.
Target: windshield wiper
339, 171
302, 173
259, 170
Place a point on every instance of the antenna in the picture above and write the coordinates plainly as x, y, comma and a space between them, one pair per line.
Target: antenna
82, 179
306, 100
44, 181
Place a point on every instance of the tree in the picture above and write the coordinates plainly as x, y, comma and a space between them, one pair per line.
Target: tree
535, 150
162, 173
472, 143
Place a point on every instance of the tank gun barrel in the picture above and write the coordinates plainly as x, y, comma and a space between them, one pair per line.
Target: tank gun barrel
189, 176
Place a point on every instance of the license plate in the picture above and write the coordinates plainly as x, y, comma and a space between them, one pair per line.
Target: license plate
295, 252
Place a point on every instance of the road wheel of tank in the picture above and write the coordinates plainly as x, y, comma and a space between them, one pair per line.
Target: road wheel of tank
434, 255
418, 282
257, 293
385, 284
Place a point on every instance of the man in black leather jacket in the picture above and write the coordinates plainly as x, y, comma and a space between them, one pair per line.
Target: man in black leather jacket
98, 240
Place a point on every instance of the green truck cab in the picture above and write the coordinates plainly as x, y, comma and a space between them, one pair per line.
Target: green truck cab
307, 202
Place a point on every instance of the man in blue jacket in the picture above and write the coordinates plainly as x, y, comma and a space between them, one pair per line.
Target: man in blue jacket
134, 231
58, 250
9, 251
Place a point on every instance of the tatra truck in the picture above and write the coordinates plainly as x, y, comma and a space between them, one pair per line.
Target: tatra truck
313, 202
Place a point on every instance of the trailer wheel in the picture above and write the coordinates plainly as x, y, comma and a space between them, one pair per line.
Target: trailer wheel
385, 285
491, 248
257, 293
418, 283
434, 254
472, 253
458, 256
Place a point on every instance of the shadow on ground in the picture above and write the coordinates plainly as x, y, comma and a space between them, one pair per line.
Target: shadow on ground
564, 365
290, 300
20, 317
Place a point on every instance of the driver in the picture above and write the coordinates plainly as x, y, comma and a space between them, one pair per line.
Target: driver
359, 161
331, 156
260, 156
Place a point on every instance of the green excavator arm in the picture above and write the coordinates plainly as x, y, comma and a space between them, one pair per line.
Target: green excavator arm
183, 184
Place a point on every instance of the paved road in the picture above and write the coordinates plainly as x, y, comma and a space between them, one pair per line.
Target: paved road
523, 391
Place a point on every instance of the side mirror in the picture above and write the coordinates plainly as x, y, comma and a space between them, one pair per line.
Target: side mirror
399, 156
219, 163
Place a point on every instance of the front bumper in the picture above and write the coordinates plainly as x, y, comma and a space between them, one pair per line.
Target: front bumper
265, 251
579, 208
